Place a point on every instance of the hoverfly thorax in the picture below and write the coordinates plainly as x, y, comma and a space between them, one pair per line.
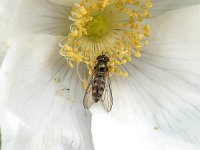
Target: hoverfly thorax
101, 68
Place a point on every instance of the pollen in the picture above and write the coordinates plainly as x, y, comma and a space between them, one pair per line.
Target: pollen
116, 28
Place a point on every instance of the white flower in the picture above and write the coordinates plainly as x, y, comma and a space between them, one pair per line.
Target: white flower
159, 100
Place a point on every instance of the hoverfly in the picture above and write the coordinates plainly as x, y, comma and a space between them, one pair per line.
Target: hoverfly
99, 86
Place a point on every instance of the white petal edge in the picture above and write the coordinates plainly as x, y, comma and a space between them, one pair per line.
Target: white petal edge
158, 104
43, 112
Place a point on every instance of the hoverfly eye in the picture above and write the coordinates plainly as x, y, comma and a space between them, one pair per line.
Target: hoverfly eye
107, 59
99, 57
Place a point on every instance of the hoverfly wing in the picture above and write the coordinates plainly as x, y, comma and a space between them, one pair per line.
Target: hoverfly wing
107, 98
88, 100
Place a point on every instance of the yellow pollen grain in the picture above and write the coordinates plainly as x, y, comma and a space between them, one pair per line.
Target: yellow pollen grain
125, 74
83, 10
137, 54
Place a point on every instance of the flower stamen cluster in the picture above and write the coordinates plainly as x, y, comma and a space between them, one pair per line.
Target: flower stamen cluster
112, 27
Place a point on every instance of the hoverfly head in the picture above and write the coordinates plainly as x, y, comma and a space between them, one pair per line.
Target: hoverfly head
103, 58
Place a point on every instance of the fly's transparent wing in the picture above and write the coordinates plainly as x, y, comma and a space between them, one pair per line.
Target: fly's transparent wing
87, 100
107, 98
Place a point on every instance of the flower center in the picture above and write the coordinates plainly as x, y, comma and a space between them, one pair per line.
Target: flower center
112, 27
97, 28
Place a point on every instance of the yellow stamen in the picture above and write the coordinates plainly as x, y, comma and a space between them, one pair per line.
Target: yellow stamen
112, 27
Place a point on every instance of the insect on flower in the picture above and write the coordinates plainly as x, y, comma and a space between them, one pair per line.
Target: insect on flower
99, 87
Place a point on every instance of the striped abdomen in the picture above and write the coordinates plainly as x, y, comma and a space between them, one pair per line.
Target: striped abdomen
98, 88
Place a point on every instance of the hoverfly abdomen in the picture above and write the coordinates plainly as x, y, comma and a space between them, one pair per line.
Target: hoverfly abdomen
98, 88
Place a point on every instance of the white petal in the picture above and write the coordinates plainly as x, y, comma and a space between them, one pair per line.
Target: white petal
46, 114
7, 11
7, 8
41, 16
69, 3
160, 100
3, 89
163, 6
110, 134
